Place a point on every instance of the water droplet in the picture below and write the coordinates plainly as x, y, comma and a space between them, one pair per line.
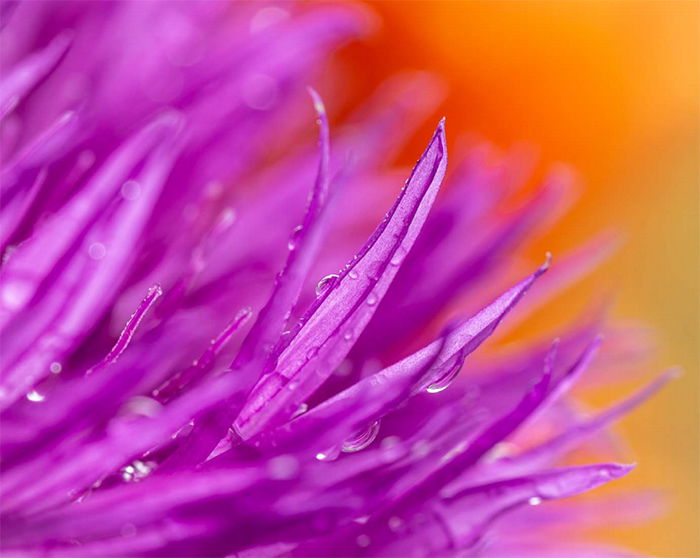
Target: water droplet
344, 368
363, 541
421, 448
267, 17
137, 470
283, 467
371, 299
301, 410
97, 251
374, 270
214, 189
348, 335
226, 219
390, 442
499, 451
327, 282
396, 524
352, 274
55, 367
328, 455
128, 473
362, 439
446, 378
35, 396
260, 91
396, 259
292, 243
143, 406
534, 501
131, 190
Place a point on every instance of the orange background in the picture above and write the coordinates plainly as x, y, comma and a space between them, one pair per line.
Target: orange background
610, 87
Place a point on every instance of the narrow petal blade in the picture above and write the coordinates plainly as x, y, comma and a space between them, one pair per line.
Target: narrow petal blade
329, 328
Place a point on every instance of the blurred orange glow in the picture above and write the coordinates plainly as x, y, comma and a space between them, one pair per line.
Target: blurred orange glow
610, 87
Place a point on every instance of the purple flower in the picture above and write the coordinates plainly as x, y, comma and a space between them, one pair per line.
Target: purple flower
153, 184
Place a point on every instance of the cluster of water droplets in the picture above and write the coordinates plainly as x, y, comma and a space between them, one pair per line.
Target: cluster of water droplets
137, 470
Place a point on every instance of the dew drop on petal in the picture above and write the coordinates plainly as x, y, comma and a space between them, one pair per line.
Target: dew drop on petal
294, 239
445, 379
363, 541
390, 442
35, 396
97, 251
267, 17
328, 455
128, 473
362, 439
325, 283
371, 299
352, 274
396, 524
283, 467
421, 448
55, 367
301, 410
344, 368
143, 406
294, 384
131, 190
397, 258
137, 470
260, 91
348, 335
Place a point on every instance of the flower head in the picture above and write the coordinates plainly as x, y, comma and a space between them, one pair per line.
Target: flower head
172, 382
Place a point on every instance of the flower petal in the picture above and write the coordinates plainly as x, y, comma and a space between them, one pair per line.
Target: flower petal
331, 325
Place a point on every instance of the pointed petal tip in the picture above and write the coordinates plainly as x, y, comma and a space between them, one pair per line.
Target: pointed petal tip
619, 470
319, 106
156, 289
547, 262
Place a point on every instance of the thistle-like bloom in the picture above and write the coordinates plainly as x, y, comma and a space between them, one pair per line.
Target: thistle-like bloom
151, 185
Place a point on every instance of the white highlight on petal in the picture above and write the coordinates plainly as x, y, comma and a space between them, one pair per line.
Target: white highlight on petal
35, 396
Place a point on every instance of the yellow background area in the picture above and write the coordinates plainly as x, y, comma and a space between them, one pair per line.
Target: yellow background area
610, 87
